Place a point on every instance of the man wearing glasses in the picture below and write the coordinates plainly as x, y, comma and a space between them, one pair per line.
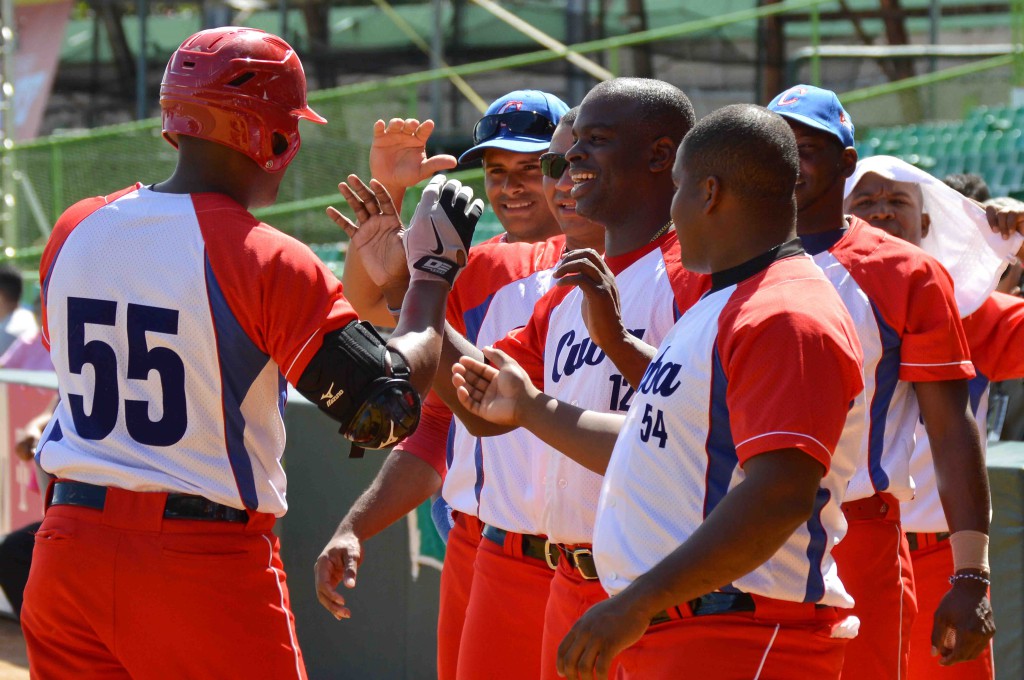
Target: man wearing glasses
509, 274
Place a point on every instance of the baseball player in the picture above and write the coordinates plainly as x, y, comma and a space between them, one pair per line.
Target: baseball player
174, 318
502, 282
621, 171
706, 485
903, 208
916, 362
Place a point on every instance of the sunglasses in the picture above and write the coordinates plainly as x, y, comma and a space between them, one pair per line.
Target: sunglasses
516, 122
553, 164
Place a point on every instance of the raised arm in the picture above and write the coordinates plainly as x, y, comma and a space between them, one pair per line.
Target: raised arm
398, 160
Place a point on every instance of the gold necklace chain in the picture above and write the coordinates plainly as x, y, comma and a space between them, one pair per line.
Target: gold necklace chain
658, 234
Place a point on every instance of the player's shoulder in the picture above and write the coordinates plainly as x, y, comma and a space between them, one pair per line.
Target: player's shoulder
496, 263
80, 210
791, 286
231, 232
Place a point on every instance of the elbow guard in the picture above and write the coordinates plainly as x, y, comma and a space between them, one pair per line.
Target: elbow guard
348, 379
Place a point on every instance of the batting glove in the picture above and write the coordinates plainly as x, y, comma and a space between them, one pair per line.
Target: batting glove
437, 240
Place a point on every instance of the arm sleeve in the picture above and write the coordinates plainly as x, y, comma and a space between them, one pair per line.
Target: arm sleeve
996, 336
429, 442
934, 345
791, 379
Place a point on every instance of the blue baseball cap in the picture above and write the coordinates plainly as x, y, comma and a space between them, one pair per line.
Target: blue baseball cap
817, 108
521, 134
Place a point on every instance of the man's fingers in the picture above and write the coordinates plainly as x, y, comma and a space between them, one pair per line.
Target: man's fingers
345, 223
351, 569
424, 129
387, 206
328, 597
395, 126
439, 163
495, 356
354, 202
364, 193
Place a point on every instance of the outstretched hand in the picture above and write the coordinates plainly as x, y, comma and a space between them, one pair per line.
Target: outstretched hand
398, 155
493, 392
377, 233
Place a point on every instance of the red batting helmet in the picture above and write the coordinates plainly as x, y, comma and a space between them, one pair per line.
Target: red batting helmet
240, 87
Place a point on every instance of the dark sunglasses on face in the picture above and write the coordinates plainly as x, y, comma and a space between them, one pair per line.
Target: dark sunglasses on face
517, 122
553, 164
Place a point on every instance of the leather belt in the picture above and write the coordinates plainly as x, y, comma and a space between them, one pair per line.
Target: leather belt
536, 547
178, 505
705, 605
918, 540
580, 558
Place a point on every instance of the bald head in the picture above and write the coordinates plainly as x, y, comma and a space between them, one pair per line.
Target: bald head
659, 107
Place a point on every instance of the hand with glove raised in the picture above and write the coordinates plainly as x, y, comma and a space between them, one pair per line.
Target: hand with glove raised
437, 240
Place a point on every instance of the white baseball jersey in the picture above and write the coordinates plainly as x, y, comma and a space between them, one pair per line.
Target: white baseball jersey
767, 360
173, 321
901, 301
995, 333
492, 478
555, 349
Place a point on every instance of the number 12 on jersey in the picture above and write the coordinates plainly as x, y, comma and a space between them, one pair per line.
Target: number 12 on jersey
142, 359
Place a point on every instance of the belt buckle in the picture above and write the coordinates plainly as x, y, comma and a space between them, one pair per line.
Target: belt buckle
587, 552
551, 554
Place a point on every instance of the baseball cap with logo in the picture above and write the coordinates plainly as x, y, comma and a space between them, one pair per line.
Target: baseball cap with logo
521, 121
818, 108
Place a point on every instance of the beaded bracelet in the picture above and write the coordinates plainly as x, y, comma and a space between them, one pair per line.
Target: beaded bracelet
973, 577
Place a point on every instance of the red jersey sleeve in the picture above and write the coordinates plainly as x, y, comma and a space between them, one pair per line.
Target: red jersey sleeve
792, 373
934, 345
996, 336
282, 295
429, 442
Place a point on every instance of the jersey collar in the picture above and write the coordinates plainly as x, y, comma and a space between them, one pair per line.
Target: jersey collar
733, 275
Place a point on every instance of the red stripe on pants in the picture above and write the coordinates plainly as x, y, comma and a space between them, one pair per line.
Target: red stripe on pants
123, 593
874, 565
456, 582
736, 646
932, 567
501, 639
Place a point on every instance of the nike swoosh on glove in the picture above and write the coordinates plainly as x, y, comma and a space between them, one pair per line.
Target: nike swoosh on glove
437, 240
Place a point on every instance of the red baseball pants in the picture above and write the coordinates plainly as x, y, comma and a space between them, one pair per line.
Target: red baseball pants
874, 565
501, 639
571, 595
456, 582
932, 566
736, 646
124, 593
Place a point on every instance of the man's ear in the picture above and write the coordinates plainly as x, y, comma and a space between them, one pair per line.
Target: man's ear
848, 162
712, 188
926, 222
663, 154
